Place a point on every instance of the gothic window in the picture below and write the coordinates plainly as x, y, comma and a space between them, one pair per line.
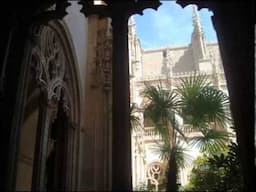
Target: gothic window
53, 96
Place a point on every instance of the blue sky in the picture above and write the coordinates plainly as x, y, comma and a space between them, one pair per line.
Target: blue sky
171, 25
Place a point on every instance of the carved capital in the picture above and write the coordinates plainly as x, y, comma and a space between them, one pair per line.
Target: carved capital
57, 11
117, 9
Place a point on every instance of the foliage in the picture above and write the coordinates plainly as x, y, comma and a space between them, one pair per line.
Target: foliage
217, 173
161, 109
200, 103
134, 119
211, 141
205, 108
183, 157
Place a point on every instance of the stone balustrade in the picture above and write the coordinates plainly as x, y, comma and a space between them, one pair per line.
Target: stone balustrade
173, 75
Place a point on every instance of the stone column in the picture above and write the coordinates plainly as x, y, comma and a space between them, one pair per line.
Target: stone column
120, 11
234, 29
121, 148
13, 88
39, 168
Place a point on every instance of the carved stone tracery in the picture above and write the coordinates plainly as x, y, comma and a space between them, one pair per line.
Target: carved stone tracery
54, 78
49, 65
155, 174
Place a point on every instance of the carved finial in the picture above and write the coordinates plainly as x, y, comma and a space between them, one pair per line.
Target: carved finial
196, 19
131, 21
132, 25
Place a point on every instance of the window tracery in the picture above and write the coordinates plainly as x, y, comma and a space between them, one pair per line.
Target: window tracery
53, 83
52, 63
155, 174
48, 62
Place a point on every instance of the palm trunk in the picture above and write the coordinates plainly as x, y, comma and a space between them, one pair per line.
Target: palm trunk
172, 173
172, 164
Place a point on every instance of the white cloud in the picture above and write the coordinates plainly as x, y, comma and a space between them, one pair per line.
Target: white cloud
171, 28
169, 25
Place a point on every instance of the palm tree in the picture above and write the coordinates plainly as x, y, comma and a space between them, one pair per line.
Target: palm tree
161, 109
200, 105
206, 109
211, 141
182, 156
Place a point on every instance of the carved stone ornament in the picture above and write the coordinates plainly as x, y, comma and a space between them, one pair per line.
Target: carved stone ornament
155, 174
110, 7
103, 61
49, 65
57, 10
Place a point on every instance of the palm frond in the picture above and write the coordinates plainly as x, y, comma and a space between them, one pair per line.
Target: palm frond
162, 130
161, 104
189, 91
201, 103
215, 104
134, 119
182, 154
211, 141
162, 149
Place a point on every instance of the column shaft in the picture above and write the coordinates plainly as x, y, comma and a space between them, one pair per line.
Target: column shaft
121, 154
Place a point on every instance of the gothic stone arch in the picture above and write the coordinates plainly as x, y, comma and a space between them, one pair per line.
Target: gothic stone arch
52, 88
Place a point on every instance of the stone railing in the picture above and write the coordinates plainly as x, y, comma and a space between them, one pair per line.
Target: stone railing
152, 77
150, 134
149, 131
190, 73
173, 75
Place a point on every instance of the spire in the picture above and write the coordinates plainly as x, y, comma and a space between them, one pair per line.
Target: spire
131, 21
196, 20
197, 39
132, 25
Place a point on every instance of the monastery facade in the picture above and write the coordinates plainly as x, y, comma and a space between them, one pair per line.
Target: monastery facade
163, 64
64, 90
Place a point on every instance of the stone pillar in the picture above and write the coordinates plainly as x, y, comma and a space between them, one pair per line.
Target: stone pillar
134, 160
121, 135
39, 168
234, 29
97, 172
13, 85
121, 148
